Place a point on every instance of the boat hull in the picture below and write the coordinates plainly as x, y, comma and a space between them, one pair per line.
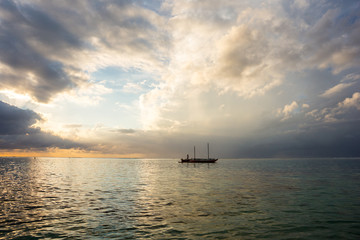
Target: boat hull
199, 160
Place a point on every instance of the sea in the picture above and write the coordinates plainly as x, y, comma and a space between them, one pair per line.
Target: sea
103, 198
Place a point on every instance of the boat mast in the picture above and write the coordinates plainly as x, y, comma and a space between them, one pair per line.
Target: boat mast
208, 150
194, 153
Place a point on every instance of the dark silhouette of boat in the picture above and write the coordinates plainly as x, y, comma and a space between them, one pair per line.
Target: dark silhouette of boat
198, 160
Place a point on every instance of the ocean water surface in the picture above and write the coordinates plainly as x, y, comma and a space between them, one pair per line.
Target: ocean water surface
94, 198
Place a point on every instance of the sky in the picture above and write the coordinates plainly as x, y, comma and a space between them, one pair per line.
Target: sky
152, 79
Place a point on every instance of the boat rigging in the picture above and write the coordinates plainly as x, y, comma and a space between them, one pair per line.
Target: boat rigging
199, 160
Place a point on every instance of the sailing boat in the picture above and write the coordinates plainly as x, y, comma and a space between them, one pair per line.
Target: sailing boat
199, 160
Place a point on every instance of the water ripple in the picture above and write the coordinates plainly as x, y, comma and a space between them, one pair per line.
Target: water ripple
160, 199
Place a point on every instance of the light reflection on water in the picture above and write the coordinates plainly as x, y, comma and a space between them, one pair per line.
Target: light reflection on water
162, 199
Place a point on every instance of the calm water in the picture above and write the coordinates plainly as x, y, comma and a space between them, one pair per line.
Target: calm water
162, 199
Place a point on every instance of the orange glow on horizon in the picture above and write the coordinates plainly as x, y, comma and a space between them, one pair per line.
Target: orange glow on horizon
65, 153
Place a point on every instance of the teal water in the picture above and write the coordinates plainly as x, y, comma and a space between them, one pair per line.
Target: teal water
163, 199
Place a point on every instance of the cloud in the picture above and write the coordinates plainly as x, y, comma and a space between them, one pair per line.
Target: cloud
216, 69
48, 48
136, 87
243, 63
24, 30
305, 105
73, 126
88, 94
351, 77
216, 51
249, 50
326, 140
352, 102
333, 40
302, 4
18, 131
336, 89
288, 110
126, 131
291, 110
15, 121
344, 111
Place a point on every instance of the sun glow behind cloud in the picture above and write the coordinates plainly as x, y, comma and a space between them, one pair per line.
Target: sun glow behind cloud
143, 78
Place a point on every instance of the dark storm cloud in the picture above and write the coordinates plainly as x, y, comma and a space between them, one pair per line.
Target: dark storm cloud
15, 121
23, 32
17, 131
326, 140
325, 132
